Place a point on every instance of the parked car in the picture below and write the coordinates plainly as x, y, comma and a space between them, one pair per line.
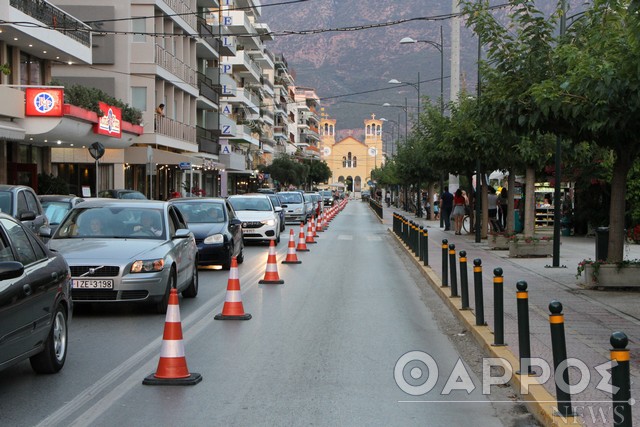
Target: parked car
56, 207
327, 197
265, 191
317, 203
294, 205
309, 205
35, 300
260, 220
122, 194
127, 250
276, 202
22, 203
217, 229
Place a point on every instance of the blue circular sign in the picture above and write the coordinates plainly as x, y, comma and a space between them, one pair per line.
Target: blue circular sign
43, 102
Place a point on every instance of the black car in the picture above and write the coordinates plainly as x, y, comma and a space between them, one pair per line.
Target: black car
122, 194
56, 207
217, 230
35, 300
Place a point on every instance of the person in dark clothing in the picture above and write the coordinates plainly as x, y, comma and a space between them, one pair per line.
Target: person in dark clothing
446, 205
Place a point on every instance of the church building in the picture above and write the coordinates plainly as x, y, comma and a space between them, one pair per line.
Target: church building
350, 160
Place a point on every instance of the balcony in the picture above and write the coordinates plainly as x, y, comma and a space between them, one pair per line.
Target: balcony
183, 12
208, 140
208, 89
208, 45
244, 65
176, 130
176, 67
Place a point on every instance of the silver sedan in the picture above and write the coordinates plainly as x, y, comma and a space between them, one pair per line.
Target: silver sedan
127, 250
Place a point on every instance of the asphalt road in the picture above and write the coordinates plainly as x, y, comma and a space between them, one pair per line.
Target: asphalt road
320, 349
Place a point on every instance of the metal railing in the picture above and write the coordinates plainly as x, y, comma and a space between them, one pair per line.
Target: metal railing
175, 66
207, 88
183, 11
55, 18
207, 35
173, 129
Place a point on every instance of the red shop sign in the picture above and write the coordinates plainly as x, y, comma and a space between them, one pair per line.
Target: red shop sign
109, 123
44, 102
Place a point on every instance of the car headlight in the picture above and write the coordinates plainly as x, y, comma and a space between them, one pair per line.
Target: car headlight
216, 238
147, 266
269, 222
298, 210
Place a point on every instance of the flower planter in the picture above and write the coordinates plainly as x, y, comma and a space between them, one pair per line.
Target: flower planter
612, 276
536, 248
498, 242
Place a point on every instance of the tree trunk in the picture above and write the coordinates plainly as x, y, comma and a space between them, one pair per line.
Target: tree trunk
485, 208
511, 192
621, 168
530, 202
431, 190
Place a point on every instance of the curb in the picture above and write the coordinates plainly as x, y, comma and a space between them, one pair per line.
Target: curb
538, 399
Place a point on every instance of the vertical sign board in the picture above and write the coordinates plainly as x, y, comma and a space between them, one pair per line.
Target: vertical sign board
42, 102
109, 123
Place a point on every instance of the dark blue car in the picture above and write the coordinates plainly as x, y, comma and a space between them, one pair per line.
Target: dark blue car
217, 230
275, 200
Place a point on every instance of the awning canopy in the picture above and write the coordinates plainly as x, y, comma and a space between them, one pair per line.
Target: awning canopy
11, 131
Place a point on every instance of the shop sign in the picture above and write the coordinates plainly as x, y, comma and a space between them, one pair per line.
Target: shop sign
44, 102
109, 123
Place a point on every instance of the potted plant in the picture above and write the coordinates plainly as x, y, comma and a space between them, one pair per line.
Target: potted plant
499, 240
600, 273
521, 246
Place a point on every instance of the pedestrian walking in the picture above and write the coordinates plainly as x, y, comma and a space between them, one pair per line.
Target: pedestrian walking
503, 204
492, 207
446, 202
459, 204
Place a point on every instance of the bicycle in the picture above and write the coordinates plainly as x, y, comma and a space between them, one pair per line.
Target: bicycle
492, 225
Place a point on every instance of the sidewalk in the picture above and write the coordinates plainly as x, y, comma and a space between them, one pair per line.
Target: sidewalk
590, 316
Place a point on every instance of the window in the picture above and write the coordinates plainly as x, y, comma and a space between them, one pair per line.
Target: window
139, 97
355, 162
18, 236
22, 203
139, 26
32, 203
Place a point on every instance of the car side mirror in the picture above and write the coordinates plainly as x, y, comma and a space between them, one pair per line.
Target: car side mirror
182, 233
284, 206
235, 221
278, 209
45, 232
11, 270
27, 216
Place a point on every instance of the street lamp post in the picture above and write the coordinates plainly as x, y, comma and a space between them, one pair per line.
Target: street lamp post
416, 86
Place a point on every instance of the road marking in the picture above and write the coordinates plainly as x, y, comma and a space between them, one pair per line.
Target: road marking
345, 237
201, 316
374, 238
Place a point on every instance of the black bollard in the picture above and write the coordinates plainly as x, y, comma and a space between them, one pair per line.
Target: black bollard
445, 268
426, 247
524, 342
452, 270
464, 281
559, 349
620, 379
421, 244
498, 307
478, 291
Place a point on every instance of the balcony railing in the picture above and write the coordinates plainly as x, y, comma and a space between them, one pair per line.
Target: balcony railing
208, 140
208, 89
207, 35
183, 11
175, 66
173, 129
55, 18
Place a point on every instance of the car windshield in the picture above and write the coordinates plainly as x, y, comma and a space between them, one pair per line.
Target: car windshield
250, 203
290, 197
201, 213
55, 211
326, 194
132, 195
112, 222
275, 200
308, 198
5, 202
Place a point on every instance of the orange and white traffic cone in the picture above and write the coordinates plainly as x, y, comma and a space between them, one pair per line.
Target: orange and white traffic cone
314, 227
271, 276
172, 366
302, 245
291, 258
319, 223
310, 233
233, 308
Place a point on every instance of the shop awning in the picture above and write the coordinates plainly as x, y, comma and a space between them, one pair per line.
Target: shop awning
11, 131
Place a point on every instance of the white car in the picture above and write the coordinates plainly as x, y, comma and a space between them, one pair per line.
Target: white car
260, 219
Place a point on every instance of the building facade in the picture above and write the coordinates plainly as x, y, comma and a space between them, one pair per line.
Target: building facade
350, 160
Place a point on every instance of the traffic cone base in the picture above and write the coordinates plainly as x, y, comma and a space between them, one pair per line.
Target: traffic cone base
292, 262
233, 308
271, 276
172, 366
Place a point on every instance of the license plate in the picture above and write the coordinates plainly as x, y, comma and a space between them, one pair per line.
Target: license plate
92, 284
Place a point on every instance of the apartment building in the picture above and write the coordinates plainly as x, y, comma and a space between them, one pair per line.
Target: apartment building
307, 119
33, 38
285, 127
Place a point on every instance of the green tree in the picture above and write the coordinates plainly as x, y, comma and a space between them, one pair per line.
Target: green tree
319, 171
287, 170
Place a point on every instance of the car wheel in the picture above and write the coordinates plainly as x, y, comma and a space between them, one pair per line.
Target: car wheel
52, 358
278, 238
227, 264
192, 289
161, 306
240, 257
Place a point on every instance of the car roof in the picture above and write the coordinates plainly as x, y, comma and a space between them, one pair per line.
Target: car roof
134, 203
9, 187
197, 200
58, 197
250, 195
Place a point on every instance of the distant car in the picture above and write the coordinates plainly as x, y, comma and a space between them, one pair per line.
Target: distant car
294, 205
260, 220
127, 250
265, 191
56, 207
366, 195
122, 194
275, 200
327, 197
35, 300
22, 203
217, 229
317, 203
309, 205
